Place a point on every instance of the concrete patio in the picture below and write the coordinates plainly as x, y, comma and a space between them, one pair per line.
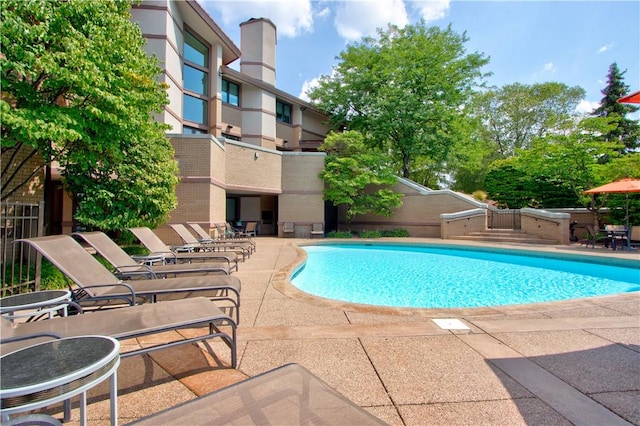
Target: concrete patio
575, 362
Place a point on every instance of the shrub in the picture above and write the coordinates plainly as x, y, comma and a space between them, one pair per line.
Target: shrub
370, 234
395, 233
339, 234
51, 278
135, 249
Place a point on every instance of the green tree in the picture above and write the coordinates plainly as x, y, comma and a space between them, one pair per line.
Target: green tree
511, 117
78, 89
557, 169
501, 121
627, 130
357, 178
403, 91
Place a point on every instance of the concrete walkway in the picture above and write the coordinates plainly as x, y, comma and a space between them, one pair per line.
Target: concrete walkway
574, 362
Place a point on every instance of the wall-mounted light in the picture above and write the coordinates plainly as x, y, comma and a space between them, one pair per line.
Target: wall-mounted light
285, 143
256, 155
229, 127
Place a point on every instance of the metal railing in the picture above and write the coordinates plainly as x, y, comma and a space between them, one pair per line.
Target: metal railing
20, 264
504, 219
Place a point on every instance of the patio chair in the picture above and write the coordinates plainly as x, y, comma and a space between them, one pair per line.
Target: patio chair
204, 237
592, 237
129, 323
288, 228
286, 395
250, 230
317, 229
127, 267
180, 254
190, 240
96, 286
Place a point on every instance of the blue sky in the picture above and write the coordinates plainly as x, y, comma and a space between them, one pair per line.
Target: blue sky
572, 42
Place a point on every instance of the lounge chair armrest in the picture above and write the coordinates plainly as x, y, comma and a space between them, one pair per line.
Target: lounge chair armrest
168, 255
128, 271
79, 292
30, 336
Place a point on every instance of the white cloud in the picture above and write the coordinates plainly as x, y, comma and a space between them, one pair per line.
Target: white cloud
586, 107
306, 86
604, 48
355, 19
548, 68
431, 10
291, 17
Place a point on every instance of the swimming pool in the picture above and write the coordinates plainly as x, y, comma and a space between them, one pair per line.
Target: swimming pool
423, 276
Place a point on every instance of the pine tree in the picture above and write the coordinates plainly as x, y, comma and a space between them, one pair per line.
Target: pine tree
628, 130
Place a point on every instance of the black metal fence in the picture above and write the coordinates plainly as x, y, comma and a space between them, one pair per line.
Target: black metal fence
504, 219
20, 264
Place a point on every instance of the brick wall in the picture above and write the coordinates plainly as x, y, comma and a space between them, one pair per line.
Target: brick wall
33, 191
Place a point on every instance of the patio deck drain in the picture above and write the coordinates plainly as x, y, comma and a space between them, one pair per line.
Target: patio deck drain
450, 324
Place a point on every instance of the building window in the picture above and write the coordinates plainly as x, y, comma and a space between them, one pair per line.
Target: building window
231, 137
283, 112
230, 92
187, 130
194, 109
195, 104
195, 51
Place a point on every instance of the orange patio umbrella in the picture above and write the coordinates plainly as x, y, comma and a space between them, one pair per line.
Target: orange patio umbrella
622, 186
633, 98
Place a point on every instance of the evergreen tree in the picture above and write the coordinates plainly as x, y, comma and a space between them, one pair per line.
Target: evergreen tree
627, 131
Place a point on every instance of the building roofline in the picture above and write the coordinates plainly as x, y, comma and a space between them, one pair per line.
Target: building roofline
228, 43
237, 75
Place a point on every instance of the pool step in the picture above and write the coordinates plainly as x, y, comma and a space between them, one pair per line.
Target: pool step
504, 236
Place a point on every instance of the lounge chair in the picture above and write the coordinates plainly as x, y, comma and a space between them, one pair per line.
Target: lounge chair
317, 229
98, 287
180, 253
287, 395
288, 228
127, 267
190, 240
127, 323
204, 237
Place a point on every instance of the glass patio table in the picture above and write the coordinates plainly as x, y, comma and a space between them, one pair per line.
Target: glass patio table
35, 304
54, 371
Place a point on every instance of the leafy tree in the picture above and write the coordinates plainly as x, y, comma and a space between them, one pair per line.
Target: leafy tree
356, 177
502, 121
403, 91
557, 169
78, 89
513, 116
627, 130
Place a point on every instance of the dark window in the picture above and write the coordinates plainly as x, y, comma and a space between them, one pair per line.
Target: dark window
283, 112
187, 130
231, 137
230, 92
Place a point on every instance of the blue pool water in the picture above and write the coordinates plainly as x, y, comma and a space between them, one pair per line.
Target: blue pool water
444, 277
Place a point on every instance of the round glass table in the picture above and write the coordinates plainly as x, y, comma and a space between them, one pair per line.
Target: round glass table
35, 304
56, 370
